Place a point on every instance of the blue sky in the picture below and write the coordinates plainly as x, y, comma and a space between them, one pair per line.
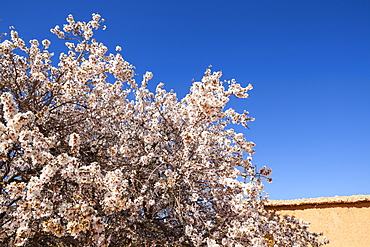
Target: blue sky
309, 63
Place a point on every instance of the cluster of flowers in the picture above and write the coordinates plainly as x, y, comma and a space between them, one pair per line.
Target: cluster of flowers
83, 164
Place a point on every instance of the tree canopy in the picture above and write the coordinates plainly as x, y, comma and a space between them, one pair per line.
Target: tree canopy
91, 157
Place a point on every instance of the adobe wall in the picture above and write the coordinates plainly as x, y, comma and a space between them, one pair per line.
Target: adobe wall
345, 221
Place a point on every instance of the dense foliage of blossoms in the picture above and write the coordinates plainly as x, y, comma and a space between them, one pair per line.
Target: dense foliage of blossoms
86, 161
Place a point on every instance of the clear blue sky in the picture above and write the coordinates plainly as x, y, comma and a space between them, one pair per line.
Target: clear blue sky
308, 60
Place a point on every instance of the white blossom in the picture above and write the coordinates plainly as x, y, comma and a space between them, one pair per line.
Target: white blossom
90, 157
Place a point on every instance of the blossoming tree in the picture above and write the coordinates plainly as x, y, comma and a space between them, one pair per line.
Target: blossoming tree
83, 163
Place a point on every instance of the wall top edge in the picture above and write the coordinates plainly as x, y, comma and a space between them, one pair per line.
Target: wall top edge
320, 200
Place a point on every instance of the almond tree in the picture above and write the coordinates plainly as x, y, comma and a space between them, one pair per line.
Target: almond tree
90, 161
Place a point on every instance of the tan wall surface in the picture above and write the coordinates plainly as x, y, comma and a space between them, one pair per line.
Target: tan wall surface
345, 224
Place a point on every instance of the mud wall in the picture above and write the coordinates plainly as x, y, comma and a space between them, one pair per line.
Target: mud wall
345, 221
